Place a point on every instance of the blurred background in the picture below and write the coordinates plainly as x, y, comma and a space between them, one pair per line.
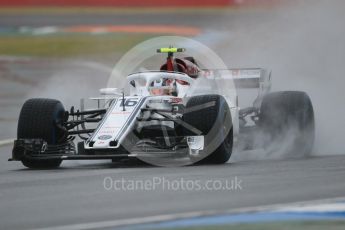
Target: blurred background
66, 49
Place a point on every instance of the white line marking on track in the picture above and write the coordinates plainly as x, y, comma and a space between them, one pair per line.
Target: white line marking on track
318, 208
171, 217
124, 222
6, 142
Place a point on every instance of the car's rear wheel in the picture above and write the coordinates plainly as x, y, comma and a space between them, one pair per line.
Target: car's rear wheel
39, 119
287, 121
211, 115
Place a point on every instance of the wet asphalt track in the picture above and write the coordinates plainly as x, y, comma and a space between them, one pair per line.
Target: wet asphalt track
75, 193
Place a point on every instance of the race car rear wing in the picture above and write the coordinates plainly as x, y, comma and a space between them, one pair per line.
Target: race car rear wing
250, 78
244, 78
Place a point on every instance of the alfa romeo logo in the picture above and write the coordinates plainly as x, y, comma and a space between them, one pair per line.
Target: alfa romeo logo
104, 137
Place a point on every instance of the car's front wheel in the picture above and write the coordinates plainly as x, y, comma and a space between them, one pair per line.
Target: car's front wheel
39, 119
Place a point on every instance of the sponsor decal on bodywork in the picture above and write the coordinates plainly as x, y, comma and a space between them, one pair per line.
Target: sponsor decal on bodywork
116, 121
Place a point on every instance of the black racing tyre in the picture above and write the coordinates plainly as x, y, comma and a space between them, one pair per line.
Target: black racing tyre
38, 119
211, 115
287, 121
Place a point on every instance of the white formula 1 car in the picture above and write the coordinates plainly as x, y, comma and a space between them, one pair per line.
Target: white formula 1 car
168, 114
